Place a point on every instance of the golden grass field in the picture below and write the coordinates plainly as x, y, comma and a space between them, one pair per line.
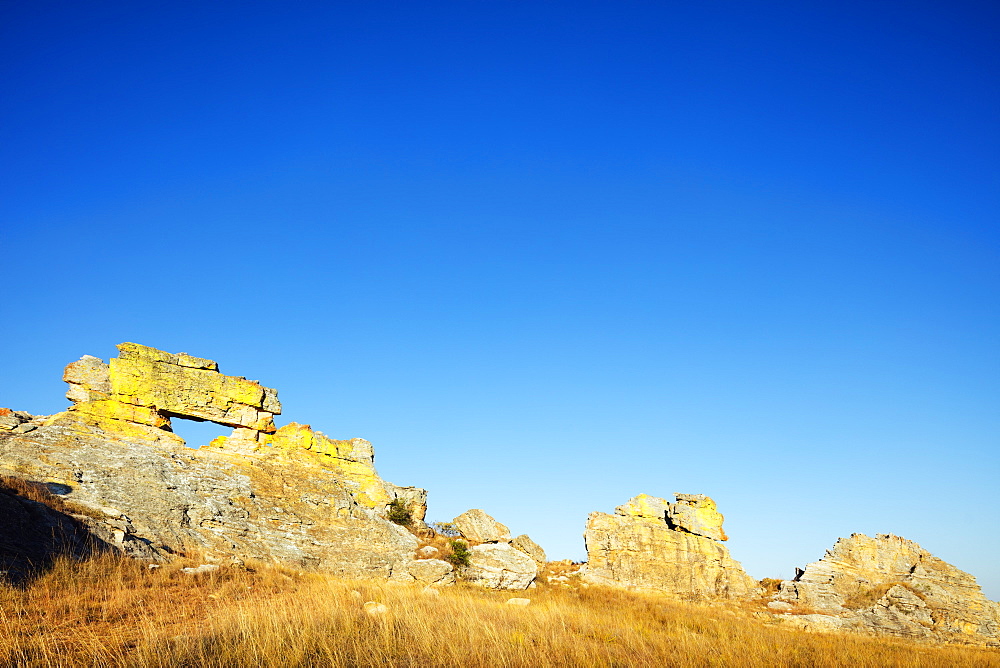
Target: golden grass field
112, 611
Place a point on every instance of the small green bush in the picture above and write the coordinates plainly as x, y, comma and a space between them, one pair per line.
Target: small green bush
445, 529
399, 513
459, 553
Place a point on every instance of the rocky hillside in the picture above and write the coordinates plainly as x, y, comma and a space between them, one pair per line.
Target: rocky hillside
109, 474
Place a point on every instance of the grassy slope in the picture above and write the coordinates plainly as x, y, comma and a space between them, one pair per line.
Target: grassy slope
111, 611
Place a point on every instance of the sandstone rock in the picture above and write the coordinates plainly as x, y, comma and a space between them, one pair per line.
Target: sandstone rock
637, 549
500, 566
198, 570
428, 551
88, 378
696, 513
430, 591
146, 386
415, 500
295, 496
478, 527
891, 585
530, 548
644, 505
433, 571
18, 422
519, 601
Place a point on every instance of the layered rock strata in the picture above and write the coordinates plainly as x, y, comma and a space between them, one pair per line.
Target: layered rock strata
291, 494
652, 545
889, 585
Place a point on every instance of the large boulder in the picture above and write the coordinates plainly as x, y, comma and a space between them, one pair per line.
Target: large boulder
891, 585
640, 549
500, 566
478, 527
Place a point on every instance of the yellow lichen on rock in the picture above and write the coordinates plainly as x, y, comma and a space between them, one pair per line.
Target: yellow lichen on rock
146, 386
190, 387
90, 424
642, 549
644, 505
353, 458
697, 514
115, 410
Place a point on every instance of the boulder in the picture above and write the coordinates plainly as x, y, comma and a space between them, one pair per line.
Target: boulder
478, 527
530, 548
890, 585
639, 549
432, 571
500, 566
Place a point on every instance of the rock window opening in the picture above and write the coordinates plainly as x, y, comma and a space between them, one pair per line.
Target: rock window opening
197, 434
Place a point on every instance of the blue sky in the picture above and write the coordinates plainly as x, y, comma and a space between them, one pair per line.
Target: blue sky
545, 256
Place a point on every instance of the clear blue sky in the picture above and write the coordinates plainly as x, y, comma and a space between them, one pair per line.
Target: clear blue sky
544, 255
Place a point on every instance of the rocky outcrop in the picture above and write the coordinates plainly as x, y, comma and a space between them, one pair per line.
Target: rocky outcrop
500, 566
144, 387
652, 545
889, 585
478, 527
291, 494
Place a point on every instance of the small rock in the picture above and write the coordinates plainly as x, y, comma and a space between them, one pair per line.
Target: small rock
430, 591
518, 601
204, 568
782, 606
373, 608
427, 551
355, 594
153, 567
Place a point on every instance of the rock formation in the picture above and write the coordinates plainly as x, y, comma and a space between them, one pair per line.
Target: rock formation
478, 527
652, 545
500, 566
290, 494
890, 585
494, 561
530, 548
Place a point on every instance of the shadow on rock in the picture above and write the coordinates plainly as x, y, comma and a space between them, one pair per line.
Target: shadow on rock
36, 529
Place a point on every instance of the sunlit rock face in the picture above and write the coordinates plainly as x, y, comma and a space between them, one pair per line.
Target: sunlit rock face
650, 544
146, 387
891, 585
292, 494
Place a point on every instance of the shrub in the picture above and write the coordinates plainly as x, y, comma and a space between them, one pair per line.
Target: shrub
459, 553
446, 529
770, 586
399, 513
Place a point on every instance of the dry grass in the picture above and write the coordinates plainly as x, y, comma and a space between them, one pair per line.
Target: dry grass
112, 611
